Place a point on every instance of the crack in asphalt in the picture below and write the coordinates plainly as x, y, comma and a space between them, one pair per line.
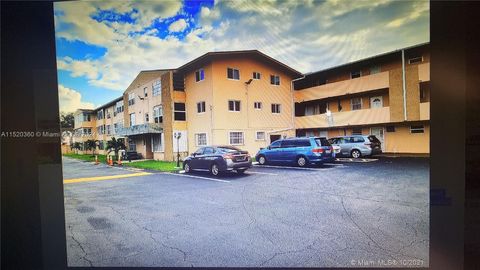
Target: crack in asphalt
85, 254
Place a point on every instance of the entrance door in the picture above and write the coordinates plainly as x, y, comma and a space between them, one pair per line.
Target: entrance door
376, 102
274, 138
378, 132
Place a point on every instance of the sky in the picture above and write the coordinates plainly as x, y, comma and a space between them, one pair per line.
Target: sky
103, 45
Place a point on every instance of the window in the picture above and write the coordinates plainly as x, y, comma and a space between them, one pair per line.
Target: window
309, 133
201, 139
100, 115
356, 103
355, 74
119, 106
132, 119
260, 135
390, 128
156, 88
208, 151
375, 69
234, 105
108, 129
157, 143
146, 118
256, 75
275, 79
87, 131
131, 99
236, 138
257, 105
117, 127
179, 112
417, 129
86, 117
275, 108
199, 75
314, 109
101, 145
101, 130
356, 139
201, 107
356, 131
233, 74
145, 91
414, 60
107, 112
131, 145
276, 144
158, 114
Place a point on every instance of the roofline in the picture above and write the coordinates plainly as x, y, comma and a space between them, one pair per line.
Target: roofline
208, 54
368, 58
108, 103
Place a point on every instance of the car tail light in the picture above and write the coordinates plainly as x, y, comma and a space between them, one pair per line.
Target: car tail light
229, 156
368, 144
317, 150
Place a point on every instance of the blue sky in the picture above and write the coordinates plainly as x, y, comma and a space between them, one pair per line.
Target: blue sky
102, 45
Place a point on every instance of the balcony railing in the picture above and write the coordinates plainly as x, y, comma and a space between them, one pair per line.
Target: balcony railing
425, 111
140, 129
424, 72
352, 86
348, 118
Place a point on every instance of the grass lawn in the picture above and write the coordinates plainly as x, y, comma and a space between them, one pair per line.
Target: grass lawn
165, 166
87, 157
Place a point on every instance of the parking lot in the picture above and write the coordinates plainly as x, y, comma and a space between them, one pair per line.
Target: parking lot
344, 214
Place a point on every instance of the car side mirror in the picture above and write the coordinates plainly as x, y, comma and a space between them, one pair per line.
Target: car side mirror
193, 154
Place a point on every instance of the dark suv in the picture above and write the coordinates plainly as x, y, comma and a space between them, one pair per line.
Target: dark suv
300, 151
217, 159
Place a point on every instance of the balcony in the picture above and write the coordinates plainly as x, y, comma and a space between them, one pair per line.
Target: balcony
362, 84
140, 129
424, 72
348, 118
425, 111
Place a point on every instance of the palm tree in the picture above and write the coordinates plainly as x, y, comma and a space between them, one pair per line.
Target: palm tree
91, 145
115, 145
76, 146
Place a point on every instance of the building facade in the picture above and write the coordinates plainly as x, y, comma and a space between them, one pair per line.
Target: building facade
248, 99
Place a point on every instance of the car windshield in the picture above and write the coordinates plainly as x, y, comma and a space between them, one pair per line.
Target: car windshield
322, 142
226, 149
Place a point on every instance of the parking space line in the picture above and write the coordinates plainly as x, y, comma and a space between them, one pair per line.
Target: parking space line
199, 177
100, 178
332, 164
288, 167
252, 172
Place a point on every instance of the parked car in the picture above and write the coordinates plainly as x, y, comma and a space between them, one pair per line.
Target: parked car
217, 159
300, 151
336, 149
131, 155
357, 145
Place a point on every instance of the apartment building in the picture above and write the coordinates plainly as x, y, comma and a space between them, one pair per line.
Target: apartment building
386, 95
239, 98
248, 99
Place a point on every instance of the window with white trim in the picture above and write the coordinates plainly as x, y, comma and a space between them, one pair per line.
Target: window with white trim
276, 108
275, 79
257, 105
201, 139
107, 113
119, 107
200, 75
233, 74
157, 143
156, 87
417, 129
356, 104
201, 107
132, 119
158, 114
234, 105
256, 75
179, 113
131, 99
260, 135
236, 138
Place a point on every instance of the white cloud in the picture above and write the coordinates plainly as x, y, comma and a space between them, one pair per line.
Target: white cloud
71, 100
87, 68
178, 26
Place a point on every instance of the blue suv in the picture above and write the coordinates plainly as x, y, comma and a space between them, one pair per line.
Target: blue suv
300, 151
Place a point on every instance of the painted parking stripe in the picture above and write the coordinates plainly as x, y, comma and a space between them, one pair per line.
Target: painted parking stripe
100, 178
198, 177
254, 172
288, 167
333, 164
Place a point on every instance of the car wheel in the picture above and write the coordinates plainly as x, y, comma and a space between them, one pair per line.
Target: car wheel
242, 171
301, 161
262, 160
214, 170
186, 168
356, 153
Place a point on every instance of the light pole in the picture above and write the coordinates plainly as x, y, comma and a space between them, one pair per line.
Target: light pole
177, 136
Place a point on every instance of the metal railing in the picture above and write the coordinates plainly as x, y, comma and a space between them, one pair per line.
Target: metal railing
140, 129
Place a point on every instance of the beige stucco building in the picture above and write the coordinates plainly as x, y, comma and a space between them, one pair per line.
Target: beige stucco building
248, 99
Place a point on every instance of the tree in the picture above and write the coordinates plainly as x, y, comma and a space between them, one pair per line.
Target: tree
66, 120
116, 145
76, 146
91, 145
